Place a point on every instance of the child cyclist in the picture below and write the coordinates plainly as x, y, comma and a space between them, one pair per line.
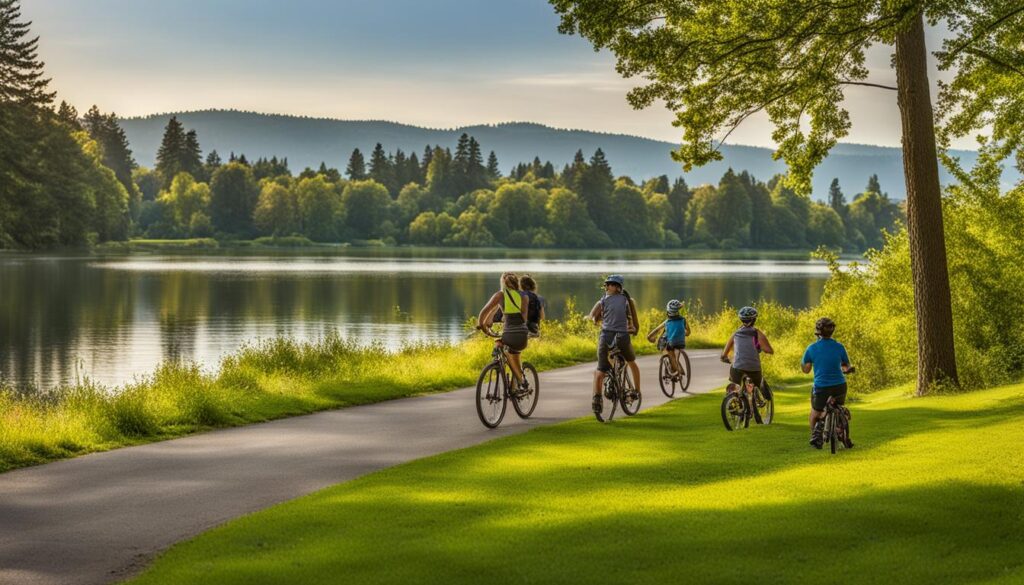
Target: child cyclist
617, 314
676, 329
748, 343
830, 362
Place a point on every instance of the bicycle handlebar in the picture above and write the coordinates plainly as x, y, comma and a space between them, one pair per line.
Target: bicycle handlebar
489, 332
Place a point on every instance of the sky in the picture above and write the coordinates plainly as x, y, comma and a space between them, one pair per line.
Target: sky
433, 63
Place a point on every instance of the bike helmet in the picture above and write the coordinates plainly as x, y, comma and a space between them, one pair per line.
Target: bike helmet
748, 314
615, 279
824, 327
673, 307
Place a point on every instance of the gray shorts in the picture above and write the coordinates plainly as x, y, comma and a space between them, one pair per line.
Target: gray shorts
608, 339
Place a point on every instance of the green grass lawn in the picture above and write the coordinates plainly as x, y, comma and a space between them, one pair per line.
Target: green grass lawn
933, 493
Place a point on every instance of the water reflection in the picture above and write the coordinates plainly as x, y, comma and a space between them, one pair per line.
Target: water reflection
113, 318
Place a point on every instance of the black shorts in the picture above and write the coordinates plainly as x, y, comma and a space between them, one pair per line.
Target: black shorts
820, 396
736, 376
608, 339
675, 346
515, 341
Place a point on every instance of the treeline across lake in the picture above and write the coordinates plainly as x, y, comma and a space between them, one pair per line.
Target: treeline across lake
459, 198
69, 180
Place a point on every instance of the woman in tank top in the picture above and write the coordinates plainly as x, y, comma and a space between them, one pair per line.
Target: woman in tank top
515, 307
748, 342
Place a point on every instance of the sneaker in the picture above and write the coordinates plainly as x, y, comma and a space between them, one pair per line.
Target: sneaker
598, 405
817, 436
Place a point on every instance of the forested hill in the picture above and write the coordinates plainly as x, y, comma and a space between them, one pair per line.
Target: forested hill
310, 141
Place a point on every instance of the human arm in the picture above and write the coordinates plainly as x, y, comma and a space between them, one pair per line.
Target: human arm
845, 364
595, 313
762, 340
654, 332
635, 328
686, 323
807, 362
487, 310
727, 350
524, 302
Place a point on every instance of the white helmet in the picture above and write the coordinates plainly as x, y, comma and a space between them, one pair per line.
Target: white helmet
673, 307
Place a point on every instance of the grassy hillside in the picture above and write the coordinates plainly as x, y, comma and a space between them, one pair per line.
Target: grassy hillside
308, 141
932, 493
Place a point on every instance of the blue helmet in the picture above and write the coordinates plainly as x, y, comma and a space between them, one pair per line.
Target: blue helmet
748, 314
615, 279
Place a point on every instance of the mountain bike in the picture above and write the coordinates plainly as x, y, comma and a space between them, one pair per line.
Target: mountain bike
836, 425
618, 389
668, 378
497, 385
747, 402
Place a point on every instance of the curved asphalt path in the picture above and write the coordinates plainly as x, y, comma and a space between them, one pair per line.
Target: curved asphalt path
99, 518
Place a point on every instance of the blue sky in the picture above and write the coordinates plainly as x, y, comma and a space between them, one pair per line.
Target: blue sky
437, 63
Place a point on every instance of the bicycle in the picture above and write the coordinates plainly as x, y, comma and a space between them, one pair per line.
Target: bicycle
618, 389
667, 376
747, 402
836, 425
493, 388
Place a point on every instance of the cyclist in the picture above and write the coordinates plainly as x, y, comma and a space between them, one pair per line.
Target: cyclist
516, 310
830, 362
537, 303
617, 313
676, 329
748, 342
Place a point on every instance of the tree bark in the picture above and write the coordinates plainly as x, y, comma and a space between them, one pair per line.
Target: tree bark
936, 359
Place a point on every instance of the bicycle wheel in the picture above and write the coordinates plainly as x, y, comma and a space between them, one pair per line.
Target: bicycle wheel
830, 428
734, 411
609, 398
629, 396
491, 396
525, 401
764, 408
668, 385
684, 379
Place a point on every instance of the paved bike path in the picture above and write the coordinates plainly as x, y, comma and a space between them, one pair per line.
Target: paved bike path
98, 518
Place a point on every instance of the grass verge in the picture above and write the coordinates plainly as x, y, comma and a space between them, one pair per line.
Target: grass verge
933, 493
275, 379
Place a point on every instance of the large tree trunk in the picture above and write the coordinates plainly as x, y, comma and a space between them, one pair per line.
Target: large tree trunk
936, 360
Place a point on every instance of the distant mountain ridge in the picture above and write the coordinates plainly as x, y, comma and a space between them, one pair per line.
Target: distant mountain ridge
308, 141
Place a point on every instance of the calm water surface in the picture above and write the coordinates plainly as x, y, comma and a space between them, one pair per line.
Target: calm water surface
114, 318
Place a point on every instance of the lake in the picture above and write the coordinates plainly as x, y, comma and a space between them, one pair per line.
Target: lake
111, 318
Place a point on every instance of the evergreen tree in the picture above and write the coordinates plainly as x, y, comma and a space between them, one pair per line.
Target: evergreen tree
414, 172
192, 156
594, 185
380, 167
836, 199
679, 199
21, 71
114, 150
67, 114
428, 154
356, 169
873, 185
476, 172
169, 159
460, 166
493, 170
213, 162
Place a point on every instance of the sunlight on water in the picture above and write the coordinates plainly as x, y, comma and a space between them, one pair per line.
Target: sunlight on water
467, 266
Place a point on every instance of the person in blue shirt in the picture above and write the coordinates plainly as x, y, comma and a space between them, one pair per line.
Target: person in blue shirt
830, 362
676, 330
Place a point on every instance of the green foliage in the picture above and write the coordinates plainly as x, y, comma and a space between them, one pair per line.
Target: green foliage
233, 197
365, 205
277, 210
